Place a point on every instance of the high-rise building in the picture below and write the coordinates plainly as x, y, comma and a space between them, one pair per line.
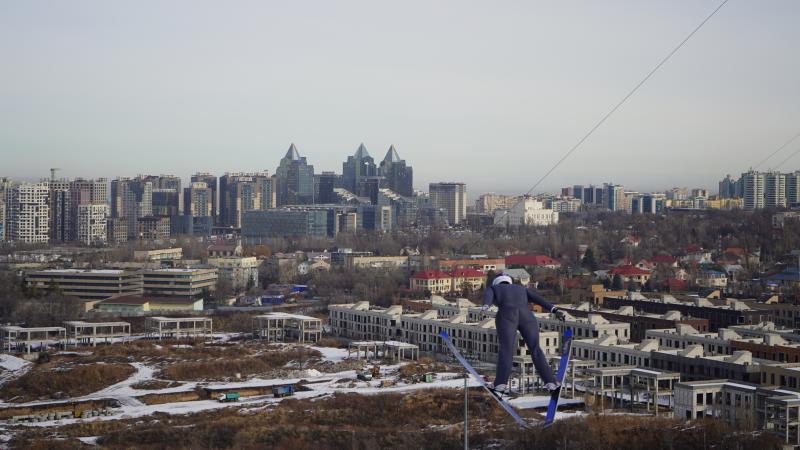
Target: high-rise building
239, 192
86, 192
399, 176
599, 196
294, 180
452, 199
93, 192
614, 197
653, 203
117, 230
577, 191
62, 213
588, 195
369, 187
793, 188
131, 199
753, 189
153, 228
727, 187
5, 187
774, 190
28, 213
211, 182
165, 202
358, 166
92, 226
324, 185
2, 220
167, 194
198, 200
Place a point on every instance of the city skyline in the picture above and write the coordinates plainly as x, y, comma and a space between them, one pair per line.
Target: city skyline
521, 89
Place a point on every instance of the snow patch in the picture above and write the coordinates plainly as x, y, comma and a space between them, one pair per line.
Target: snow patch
9, 362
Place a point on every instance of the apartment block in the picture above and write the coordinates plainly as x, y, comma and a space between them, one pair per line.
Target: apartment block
198, 200
131, 199
92, 224
719, 314
153, 228
28, 213
476, 340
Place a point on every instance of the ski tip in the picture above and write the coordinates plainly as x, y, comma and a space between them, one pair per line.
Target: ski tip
444, 334
568, 332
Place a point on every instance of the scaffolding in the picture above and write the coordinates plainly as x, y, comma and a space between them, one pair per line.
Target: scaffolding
22, 339
275, 327
177, 327
89, 332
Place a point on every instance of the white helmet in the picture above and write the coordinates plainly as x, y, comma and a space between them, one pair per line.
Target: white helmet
502, 278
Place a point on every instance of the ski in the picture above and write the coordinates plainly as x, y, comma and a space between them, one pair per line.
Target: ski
563, 362
509, 409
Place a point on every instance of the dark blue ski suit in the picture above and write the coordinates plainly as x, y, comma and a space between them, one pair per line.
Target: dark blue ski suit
513, 314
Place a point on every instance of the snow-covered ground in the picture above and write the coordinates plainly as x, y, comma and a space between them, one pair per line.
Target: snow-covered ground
9, 362
319, 385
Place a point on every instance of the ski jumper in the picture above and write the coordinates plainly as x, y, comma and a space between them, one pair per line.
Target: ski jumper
512, 315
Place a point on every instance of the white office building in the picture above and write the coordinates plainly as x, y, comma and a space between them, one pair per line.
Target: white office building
528, 211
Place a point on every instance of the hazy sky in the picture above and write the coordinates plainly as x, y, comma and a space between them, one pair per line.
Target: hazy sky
489, 93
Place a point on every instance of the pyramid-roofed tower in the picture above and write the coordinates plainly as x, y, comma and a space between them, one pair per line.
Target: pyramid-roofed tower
292, 153
392, 156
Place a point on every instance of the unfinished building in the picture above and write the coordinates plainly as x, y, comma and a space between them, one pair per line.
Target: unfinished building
743, 405
279, 327
394, 350
22, 339
621, 385
178, 327
90, 332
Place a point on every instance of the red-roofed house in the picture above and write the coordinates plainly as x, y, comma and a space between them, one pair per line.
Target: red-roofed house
468, 278
630, 273
534, 261
676, 285
665, 260
433, 281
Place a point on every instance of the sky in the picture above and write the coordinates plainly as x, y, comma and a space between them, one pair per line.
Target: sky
488, 93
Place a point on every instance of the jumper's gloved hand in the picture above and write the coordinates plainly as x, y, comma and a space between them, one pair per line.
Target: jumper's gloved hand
484, 308
560, 315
